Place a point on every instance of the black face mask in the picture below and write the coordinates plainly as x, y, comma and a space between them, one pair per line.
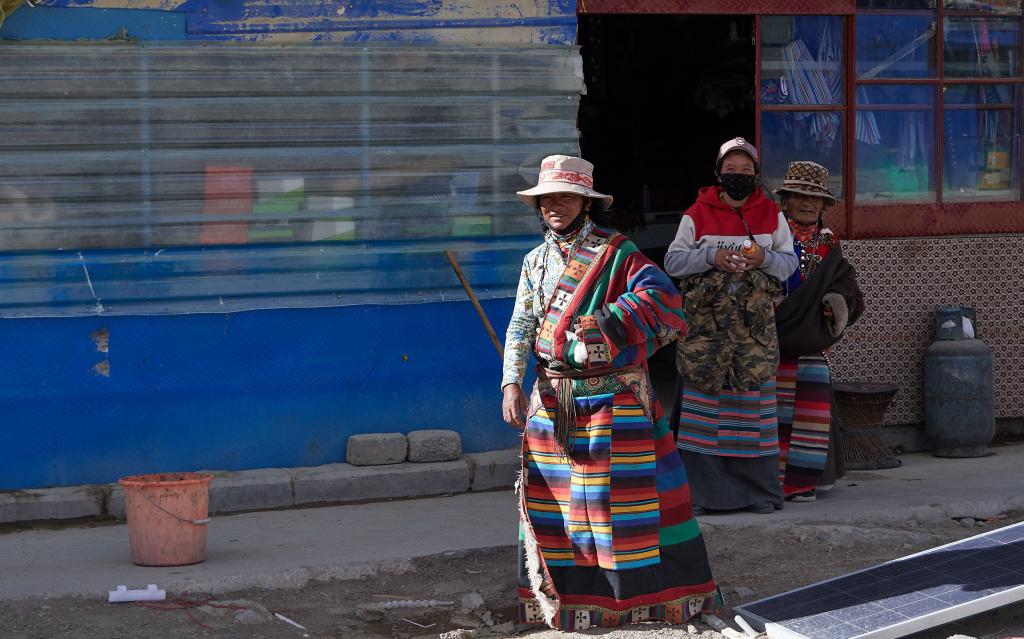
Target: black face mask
738, 186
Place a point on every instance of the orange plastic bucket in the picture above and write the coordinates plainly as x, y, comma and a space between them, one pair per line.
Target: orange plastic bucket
167, 517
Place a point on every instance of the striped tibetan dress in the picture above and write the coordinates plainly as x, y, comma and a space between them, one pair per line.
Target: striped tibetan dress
809, 456
607, 533
805, 419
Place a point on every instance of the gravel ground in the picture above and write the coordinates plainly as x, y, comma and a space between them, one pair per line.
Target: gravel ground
749, 563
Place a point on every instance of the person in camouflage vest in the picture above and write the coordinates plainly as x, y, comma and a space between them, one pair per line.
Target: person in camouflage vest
725, 411
732, 339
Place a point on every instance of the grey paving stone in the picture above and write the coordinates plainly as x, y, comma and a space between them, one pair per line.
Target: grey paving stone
51, 503
115, 501
494, 469
235, 491
375, 449
336, 483
434, 445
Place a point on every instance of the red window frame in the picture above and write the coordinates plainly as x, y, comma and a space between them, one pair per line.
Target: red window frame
939, 217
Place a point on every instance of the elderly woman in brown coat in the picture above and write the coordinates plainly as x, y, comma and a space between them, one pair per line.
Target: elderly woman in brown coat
822, 300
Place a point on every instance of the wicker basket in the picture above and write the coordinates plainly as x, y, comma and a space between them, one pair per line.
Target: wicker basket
861, 408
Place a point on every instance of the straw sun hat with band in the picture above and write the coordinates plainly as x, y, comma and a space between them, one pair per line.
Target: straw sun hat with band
566, 174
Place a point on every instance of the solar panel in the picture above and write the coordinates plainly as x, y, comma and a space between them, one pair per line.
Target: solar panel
903, 596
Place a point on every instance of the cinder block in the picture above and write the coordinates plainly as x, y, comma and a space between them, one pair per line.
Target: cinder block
494, 469
434, 445
51, 503
115, 501
375, 449
336, 483
234, 491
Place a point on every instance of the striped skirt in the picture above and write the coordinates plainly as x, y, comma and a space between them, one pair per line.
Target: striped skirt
729, 444
805, 416
730, 423
606, 533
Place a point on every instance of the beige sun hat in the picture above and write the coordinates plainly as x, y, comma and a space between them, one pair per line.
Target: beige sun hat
806, 178
565, 174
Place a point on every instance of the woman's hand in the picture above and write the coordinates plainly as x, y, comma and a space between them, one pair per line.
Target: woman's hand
513, 405
731, 261
826, 310
755, 259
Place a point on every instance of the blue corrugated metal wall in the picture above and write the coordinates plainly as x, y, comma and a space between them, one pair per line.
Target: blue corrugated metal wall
239, 390
401, 21
95, 393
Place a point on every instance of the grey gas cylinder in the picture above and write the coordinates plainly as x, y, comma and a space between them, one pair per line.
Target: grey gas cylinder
959, 409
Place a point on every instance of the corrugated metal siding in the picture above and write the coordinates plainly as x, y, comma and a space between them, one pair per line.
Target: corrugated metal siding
233, 176
400, 21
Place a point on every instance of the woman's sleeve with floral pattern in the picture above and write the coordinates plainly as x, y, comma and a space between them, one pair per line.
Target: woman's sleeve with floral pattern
522, 331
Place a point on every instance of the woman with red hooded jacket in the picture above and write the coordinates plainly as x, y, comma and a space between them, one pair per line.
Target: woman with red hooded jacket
732, 249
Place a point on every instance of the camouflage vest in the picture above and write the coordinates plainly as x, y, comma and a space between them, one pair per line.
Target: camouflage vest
731, 331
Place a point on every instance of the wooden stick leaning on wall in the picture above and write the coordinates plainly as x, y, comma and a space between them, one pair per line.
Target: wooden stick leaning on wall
476, 303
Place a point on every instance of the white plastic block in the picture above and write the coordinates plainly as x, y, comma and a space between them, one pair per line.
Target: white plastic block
122, 594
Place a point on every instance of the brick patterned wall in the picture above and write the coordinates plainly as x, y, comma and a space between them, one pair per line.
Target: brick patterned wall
904, 280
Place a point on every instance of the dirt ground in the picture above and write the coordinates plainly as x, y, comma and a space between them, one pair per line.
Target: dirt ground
749, 563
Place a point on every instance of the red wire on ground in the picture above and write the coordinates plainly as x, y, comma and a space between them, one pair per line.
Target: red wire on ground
186, 604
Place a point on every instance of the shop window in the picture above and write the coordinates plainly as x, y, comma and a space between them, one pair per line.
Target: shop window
896, 4
1002, 7
981, 142
953, 135
802, 94
802, 135
895, 144
802, 60
888, 48
977, 47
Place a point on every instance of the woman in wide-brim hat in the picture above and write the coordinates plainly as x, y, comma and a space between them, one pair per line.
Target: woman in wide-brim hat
822, 300
604, 505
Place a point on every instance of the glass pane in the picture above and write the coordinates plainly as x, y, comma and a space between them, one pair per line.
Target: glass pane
895, 151
802, 60
1002, 7
979, 94
888, 48
800, 135
981, 47
896, 4
981, 151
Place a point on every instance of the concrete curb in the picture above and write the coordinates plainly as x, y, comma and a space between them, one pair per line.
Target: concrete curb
983, 509
496, 469
267, 488
70, 502
293, 578
340, 483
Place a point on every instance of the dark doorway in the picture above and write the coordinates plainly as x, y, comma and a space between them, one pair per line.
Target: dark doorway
663, 92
